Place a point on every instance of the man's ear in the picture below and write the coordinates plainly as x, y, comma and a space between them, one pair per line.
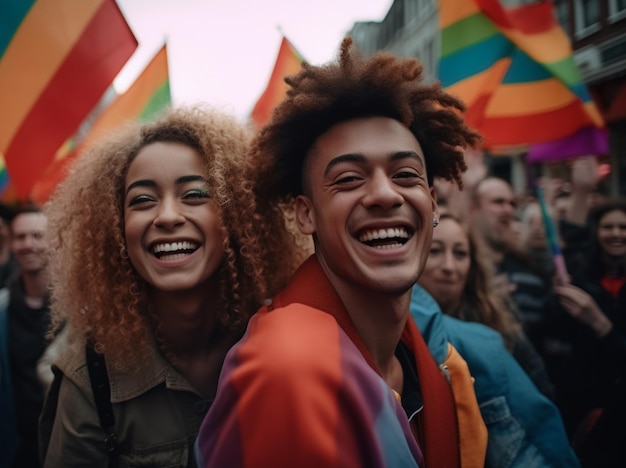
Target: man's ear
433, 196
305, 215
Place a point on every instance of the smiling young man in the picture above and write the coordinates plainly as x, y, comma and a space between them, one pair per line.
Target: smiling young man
333, 371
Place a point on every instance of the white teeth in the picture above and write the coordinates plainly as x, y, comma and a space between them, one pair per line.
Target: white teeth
388, 246
384, 234
174, 246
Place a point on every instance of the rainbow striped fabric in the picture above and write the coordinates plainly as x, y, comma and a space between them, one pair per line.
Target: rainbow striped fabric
143, 100
514, 69
297, 391
57, 57
287, 63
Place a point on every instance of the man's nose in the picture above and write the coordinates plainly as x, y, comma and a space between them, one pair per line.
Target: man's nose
382, 192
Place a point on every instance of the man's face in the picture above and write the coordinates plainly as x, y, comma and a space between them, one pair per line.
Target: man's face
28, 242
368, 205
494, 212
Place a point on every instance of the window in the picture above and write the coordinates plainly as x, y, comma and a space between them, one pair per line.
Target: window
561, 13
617, 9
587, 14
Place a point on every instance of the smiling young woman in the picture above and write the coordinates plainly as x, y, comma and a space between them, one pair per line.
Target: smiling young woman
158, 260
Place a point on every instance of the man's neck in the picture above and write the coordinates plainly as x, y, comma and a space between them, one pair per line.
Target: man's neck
379, 320
35, 284
495, 254
5, 256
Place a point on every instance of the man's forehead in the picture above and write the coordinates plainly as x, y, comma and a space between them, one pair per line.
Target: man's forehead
495, 189
31, 221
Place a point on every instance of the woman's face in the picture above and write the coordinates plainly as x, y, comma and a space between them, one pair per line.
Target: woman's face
448, 264
612, 233
171, 223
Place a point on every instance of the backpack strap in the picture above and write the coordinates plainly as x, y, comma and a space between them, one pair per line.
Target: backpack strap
101, 389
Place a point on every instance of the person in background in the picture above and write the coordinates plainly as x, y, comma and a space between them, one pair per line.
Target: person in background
333, 371
461, 281
533, 241
24, 322
157, 260
525, 428
8, 264
597, 300
542, 308
492, 212
561, 201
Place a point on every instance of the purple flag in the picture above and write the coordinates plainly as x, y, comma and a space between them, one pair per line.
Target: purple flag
586, 141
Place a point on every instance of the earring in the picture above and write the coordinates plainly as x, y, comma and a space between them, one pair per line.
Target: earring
435, 223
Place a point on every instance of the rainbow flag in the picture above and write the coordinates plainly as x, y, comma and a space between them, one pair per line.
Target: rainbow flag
514, 69
57, 57
287, 63
143, 100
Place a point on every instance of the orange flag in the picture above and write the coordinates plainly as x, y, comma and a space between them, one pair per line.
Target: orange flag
287, 63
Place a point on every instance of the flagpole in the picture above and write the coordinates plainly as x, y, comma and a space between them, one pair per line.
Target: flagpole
552, 238
551, 233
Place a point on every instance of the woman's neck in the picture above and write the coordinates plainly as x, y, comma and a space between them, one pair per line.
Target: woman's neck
614, 266
192, 342
189, 319
451, 307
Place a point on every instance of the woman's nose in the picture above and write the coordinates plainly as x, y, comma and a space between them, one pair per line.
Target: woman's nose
169, 214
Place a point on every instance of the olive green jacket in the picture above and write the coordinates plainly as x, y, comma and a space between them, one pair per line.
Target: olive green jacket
157, 416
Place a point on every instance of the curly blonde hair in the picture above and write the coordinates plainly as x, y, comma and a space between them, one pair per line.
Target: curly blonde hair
382, 85
96, 289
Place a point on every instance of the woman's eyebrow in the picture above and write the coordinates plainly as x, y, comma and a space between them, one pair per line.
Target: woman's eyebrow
190, 178
141, 183
152, 183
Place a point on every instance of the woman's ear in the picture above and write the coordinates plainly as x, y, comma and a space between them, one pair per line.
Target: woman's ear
305, 215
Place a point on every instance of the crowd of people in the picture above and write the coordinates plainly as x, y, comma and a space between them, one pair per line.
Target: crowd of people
334, 289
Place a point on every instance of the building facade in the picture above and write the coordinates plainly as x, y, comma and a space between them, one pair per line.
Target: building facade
597, 31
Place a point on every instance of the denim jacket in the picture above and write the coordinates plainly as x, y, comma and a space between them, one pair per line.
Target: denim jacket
525, 428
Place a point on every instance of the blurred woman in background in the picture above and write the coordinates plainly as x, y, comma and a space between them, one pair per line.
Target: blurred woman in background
460, 279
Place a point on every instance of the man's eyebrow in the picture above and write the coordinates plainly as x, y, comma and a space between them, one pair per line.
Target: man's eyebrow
152, 183
350, 157
407, 154
360, 158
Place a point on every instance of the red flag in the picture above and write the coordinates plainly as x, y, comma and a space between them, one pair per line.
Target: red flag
287, 63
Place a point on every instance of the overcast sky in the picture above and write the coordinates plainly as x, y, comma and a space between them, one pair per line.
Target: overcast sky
223, 51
